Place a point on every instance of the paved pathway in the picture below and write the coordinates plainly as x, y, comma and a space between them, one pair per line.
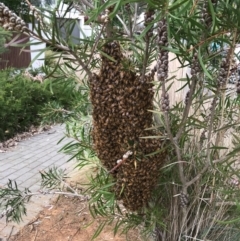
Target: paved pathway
23, 164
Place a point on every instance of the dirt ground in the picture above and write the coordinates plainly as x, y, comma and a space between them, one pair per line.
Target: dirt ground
68, 219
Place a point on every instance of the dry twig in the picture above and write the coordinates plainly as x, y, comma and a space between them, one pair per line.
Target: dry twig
121, 161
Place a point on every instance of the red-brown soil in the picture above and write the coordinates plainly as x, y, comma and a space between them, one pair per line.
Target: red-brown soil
68, 219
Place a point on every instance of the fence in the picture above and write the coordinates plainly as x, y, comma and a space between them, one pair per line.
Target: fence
15, 56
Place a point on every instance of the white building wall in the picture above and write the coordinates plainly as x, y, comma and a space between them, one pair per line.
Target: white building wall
37, 52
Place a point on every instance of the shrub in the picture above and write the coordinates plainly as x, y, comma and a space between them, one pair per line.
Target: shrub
22, 101
4, 35
196, 195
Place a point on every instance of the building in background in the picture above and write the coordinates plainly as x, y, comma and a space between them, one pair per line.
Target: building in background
34, 55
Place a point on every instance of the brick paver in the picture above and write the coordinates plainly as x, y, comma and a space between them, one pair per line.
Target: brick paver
23, 164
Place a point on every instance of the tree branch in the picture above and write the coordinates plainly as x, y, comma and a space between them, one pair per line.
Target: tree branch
43, 192
198, 176
95, 44
135, 17
187, 108
124, 25
87, 3
121, 161
63, 48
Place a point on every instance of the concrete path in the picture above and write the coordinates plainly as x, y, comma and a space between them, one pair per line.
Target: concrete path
23, 164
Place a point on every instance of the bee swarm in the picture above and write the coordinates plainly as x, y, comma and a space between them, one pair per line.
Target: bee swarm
121, 102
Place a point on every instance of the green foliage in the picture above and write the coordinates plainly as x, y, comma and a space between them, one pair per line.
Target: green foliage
21, 101
68, 100
25, 103
195, 198
53, 178
4, 35
13, 201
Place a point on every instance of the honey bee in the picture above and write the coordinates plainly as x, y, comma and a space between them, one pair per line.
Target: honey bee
120, 112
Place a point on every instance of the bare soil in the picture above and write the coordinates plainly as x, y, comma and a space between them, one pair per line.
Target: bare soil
68, 219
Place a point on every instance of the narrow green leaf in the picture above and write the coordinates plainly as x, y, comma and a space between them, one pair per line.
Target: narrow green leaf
212, 13
218, 148
227, 126
234, 151
202, 64
107, 56
115, 10
177, 4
